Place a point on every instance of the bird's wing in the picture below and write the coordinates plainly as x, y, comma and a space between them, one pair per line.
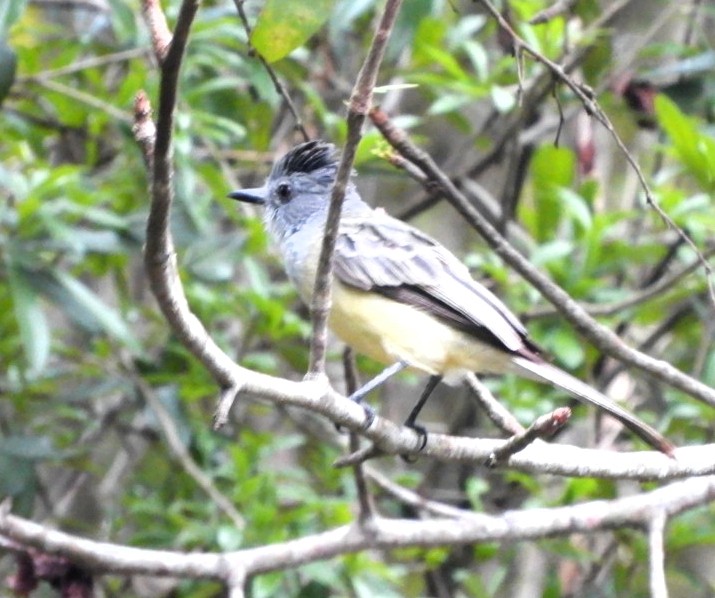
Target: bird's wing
384, 255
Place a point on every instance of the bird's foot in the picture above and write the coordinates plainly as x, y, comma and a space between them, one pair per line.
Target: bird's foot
359, 398
421, 432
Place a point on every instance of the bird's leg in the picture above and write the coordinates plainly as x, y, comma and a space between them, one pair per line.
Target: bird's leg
410, 422
359, 395
388, 372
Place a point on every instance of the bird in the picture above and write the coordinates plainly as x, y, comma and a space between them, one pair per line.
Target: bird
398, 295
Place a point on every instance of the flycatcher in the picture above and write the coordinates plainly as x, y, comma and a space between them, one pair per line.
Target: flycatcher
399, 296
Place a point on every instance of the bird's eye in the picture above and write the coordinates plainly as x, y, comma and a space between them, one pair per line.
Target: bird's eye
284, 192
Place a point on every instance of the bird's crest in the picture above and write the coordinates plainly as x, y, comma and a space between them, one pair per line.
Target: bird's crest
307, 158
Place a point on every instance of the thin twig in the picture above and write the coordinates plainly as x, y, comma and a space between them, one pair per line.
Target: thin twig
500, 415
365, 502
545, 426
279, 87
656, 555
359, 456
399, 162
606, 340
562, 120
226, 401
358, 107
158, 28
159, 254
413, 499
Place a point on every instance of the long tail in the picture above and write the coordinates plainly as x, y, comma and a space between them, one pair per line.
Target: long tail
545, 372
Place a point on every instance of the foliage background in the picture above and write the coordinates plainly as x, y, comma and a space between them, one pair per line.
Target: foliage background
86, 354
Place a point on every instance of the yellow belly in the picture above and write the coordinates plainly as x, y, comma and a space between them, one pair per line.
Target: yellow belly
388, 331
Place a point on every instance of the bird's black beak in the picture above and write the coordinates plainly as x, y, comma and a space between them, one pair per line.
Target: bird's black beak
256, 195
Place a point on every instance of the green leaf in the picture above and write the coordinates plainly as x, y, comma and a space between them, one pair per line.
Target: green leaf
284, 25
696, 150
34, 332
18, 456
219, 128
124, 22
576, 206
447, 61
551, 169
566, 347
407, 24
552, 251
91, 311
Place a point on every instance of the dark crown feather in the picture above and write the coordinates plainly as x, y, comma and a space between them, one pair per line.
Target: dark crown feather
307, 157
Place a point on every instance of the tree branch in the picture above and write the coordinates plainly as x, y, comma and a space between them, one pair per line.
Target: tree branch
360, 101
527, 524
656, 554
159, 254
158, 28
144, 128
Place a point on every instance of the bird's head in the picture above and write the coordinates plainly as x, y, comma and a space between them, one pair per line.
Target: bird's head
297, 189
